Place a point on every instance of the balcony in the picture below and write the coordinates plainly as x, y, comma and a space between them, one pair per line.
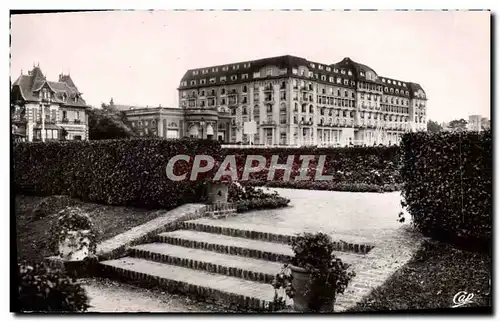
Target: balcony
196, 114
268, 122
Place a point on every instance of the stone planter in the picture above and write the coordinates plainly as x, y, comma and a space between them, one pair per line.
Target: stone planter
76, 246
218, 193
303, 295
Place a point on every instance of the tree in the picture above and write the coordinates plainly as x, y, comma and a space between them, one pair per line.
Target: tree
107, 124
458, 125
433, 127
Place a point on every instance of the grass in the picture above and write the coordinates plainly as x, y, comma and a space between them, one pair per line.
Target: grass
35, 215
431, 279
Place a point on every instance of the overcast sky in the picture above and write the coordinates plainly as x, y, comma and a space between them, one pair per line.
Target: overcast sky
138, 58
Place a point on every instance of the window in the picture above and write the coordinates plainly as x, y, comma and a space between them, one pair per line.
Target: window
225, 68
223, 78
328, 69
256, 75
234, 77
193, 82
330, 79
316, 76
247, 65
235, 67
392, 90
386, 89
335, 70
223, 101
349, 72
244, 76
212, 80
397, 91
361, 73
353, 83
223, 91
215, 69
339, 80
310, 74
346, 82
345, 93
204, 71
323, 77
320, 66
312, 65
295, 71
195, 72
203, 81
342, 72
244, 89
383, 80
202, 93
283, 71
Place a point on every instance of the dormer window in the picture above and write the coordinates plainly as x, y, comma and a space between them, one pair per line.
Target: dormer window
215, 69
328, 69
235, 67
320, 66
312, 65
195, 72
335, 70
342, 72
204, 71
225, 68
349, 73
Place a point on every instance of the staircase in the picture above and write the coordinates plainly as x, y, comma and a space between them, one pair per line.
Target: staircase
214, 260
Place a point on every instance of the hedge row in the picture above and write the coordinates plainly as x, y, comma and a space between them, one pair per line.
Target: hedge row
359, 165
447, 185
114, 172
326, 185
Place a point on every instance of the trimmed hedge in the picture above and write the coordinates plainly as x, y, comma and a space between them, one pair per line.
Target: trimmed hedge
114, 172
375, 166
447, 185
325, 185
248, 198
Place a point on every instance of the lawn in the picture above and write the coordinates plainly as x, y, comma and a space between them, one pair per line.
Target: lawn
35, 215
431, 279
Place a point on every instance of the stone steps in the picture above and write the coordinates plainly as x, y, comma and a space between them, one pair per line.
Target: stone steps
257, 249
230, 265
203, 285
269, 233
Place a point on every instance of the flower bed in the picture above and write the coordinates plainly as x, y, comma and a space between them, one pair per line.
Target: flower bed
248, 198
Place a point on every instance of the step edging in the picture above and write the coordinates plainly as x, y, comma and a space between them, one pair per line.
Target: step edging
227, 270
197, 292
353, 247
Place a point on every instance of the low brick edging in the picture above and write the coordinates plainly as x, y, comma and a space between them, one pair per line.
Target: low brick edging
385, 260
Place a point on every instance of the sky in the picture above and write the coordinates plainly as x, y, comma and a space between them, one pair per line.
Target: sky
139, 57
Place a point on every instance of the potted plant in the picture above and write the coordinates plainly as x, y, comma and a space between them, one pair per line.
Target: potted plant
314, 276
73, 237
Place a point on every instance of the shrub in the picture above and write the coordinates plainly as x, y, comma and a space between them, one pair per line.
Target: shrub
127, 172
43, 289
447, 185
50, 205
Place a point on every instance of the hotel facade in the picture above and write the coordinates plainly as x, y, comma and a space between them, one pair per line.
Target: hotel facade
293, 101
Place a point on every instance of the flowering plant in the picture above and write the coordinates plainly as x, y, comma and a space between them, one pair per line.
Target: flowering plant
77, 225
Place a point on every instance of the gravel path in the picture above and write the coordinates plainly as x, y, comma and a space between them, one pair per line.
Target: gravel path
110, 296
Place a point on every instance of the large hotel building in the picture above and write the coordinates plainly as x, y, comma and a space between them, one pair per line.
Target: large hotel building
294, 101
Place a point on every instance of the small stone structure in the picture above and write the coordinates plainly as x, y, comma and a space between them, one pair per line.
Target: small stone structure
218, 192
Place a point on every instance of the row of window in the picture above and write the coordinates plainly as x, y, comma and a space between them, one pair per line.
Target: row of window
216, 69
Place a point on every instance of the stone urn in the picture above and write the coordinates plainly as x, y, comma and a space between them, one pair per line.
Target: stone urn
75, 247
218, 192
306, 292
